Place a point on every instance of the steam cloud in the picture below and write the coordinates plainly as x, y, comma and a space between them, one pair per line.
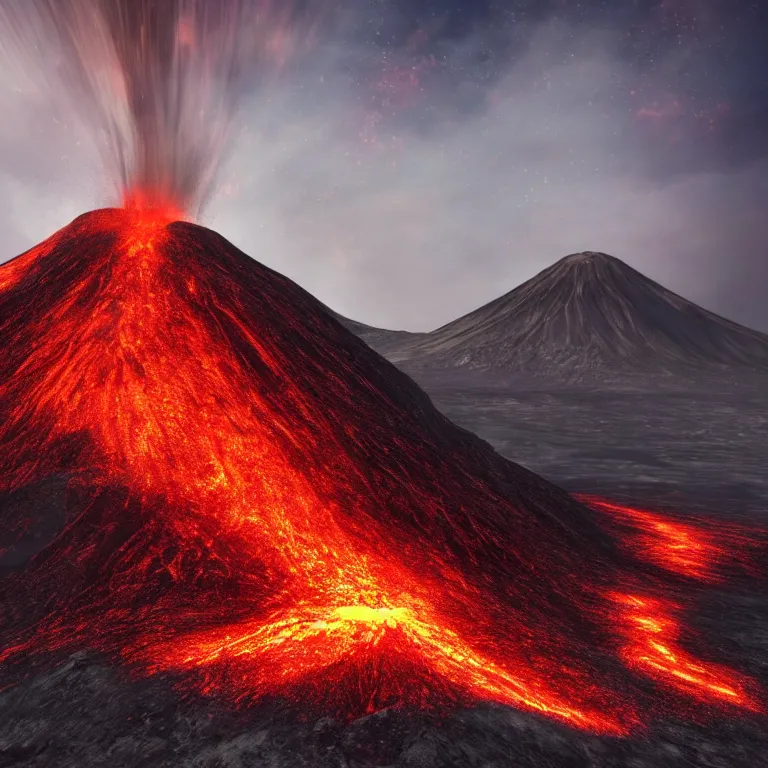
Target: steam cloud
160, 80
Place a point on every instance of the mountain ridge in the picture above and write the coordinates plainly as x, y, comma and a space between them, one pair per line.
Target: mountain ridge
588, 311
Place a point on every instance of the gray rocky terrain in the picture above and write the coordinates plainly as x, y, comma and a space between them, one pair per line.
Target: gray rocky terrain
86, 713
701, 443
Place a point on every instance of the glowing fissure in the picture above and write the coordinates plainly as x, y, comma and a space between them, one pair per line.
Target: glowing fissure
223, 527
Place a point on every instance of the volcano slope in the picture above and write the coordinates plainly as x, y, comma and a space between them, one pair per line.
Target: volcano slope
205, 474
589, 312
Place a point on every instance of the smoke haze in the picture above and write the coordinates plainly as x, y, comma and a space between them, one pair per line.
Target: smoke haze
411, 170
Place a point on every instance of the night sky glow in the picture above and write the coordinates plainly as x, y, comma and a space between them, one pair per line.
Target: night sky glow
414, 160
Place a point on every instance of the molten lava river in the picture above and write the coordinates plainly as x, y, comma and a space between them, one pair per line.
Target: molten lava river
253, 499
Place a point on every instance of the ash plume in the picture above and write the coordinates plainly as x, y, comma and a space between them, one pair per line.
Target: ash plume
159, 80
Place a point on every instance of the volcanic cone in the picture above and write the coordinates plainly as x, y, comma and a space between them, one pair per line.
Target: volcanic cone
587, 312
203, 471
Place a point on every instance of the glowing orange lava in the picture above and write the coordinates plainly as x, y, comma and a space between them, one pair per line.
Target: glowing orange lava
652, 633
257, 498
694, 548
151, 209
288, 648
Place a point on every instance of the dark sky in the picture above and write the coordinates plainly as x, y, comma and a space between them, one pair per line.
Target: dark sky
430, 155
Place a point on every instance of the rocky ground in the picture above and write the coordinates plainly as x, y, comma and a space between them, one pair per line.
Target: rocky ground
86, 713
690, 444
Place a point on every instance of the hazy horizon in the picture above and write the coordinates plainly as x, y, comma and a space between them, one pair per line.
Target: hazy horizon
421, 164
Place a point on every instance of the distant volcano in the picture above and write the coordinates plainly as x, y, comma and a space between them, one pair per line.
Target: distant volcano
589, 311
203, 472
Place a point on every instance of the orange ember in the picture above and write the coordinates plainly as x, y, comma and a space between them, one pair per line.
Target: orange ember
257, 498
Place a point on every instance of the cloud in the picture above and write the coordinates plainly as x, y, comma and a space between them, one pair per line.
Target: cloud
404, 190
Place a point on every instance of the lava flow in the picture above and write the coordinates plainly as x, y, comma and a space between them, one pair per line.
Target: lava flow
695, 548
204, 472
651, 632
650, 626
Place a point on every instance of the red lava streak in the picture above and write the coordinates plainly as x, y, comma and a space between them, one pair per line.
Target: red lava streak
697, 549
255, 497
652, 632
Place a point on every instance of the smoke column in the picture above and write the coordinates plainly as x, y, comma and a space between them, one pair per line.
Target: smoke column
159, 80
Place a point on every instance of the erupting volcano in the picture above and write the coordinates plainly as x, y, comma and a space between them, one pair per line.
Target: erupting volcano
203, 472
250, 494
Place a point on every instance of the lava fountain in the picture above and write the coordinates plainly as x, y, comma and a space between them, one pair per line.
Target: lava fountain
203, 472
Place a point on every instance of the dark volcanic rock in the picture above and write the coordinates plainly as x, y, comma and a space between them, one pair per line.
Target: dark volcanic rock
86, 714
378, 739
380, 339
42, 508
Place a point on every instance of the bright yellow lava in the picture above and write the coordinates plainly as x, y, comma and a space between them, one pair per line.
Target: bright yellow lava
374, 616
